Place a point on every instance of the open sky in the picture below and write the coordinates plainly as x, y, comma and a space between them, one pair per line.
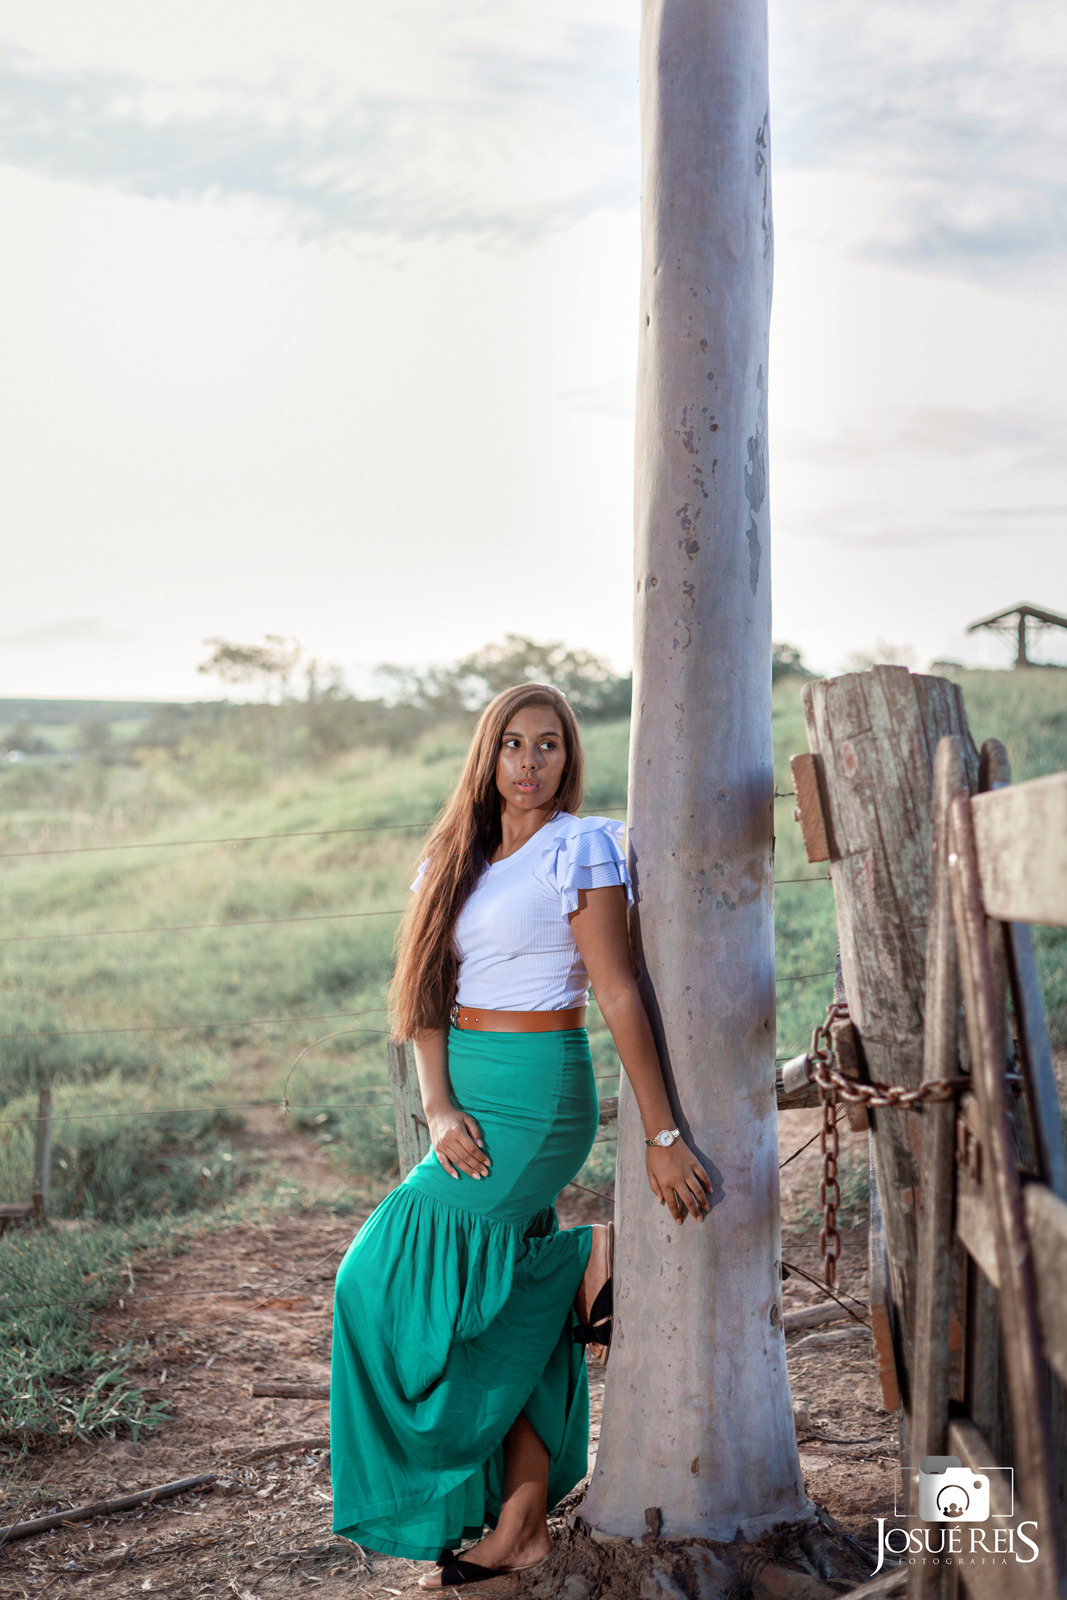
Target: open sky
319, 319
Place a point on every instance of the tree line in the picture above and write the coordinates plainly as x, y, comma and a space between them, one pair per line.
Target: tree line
286, 706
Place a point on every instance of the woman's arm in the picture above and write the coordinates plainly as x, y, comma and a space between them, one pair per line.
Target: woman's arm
675, 1176
455, 1136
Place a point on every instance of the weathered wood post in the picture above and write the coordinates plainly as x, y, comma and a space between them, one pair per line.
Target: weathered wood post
698, 1420
874, 735
42, 1157
412, 1134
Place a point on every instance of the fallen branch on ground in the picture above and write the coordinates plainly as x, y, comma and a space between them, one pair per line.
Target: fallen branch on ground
285, 1449
826, 1341
290, 1391
103, 1508
814, 1316
811, 1437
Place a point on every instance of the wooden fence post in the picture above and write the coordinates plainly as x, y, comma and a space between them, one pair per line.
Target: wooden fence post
1031, 1418
936, 1226
874, 735
412, 1134
42, 1157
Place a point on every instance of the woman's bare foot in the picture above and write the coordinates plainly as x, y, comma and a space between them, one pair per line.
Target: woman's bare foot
597, 1273
521, 1537
501, 1553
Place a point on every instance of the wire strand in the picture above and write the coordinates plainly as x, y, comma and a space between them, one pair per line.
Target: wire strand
801, 1148
181, 844
607, 1199
279, 1105
180, 1111
263, 1022
819, 1284
270, 922
180, 1027
193, 927
238, 838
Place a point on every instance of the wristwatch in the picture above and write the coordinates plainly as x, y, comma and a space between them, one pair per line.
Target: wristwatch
665, 1138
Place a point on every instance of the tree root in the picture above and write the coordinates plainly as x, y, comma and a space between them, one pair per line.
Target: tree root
811, 1560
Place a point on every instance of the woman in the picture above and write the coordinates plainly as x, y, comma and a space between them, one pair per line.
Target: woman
458, 1394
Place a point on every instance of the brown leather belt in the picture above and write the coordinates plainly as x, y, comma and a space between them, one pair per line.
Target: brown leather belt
516, 1021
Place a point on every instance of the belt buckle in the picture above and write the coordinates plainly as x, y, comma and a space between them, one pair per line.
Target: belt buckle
453, 1015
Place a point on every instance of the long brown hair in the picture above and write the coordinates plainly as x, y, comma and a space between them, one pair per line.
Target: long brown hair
462, 841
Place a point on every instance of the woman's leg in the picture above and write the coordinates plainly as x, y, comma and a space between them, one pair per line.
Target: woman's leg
521, 1536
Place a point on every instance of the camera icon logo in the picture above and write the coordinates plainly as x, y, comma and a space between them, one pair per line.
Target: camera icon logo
949, 1492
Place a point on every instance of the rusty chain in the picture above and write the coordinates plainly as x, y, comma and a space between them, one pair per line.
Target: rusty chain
829, 1189
834, 1085
830, 1079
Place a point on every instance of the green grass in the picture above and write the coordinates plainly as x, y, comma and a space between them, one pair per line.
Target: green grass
854, 1183
55, 1379
116, 1166
1028, 712
219, 976
804, 918
199, 988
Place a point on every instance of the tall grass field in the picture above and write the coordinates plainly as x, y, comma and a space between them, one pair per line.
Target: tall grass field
160, 989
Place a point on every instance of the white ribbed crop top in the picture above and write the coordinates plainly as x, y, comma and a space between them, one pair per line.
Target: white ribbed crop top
513, 940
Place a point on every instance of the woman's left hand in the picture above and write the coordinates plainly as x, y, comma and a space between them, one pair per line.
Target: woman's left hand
677, 1179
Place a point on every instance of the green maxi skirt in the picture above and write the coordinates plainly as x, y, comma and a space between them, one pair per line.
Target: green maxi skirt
453, 1309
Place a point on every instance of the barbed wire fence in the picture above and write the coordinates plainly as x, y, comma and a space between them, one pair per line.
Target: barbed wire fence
370, 1096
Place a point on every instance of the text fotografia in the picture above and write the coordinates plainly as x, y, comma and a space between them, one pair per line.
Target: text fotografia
950, 1494
955, 1546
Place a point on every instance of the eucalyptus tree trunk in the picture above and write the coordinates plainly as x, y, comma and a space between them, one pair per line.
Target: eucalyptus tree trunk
698, 1421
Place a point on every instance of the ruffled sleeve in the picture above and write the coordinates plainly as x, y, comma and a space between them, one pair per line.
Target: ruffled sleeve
416, 882
589, 855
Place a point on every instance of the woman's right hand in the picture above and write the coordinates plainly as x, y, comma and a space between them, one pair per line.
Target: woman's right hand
457, 1142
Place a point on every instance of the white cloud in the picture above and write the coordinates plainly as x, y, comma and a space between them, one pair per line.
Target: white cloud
960, 103
505, 144
429, 119
69, 631
1018, 436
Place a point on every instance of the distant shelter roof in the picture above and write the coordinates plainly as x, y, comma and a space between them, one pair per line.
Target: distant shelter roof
1051, 619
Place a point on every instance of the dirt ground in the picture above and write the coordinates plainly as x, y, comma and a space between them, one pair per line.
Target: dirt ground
254, 1301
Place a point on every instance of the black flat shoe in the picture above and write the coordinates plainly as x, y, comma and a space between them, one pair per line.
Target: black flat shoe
597, 1330
459, 1572
455, 1572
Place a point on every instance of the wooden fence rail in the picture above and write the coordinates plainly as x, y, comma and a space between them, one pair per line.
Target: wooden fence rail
938, 866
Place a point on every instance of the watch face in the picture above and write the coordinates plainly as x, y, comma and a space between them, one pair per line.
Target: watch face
665, 1139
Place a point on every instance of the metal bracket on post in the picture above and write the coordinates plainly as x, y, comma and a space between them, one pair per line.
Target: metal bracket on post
811, 810
846, 1045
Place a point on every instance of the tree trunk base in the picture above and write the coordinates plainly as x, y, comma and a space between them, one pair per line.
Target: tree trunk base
811, 1560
